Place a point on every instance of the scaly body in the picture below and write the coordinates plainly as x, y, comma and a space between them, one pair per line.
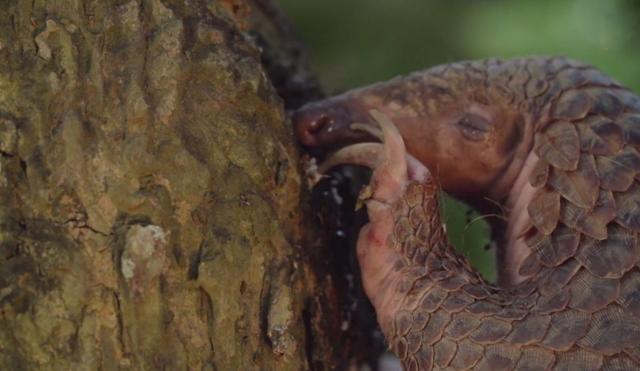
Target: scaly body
556, 143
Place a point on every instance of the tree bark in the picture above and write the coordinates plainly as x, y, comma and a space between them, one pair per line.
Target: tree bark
150, 197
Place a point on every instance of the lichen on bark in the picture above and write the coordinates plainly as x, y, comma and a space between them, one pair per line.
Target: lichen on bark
149, 194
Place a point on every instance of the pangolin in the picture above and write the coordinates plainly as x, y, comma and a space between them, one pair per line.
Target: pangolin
552, 141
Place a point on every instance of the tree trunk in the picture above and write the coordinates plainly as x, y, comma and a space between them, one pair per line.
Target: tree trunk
150, 213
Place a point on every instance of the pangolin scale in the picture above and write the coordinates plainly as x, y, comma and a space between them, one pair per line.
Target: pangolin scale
570, 299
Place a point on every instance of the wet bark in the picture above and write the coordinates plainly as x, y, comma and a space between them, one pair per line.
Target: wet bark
150, 196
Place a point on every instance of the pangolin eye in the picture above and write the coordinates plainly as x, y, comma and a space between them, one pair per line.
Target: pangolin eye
474, 127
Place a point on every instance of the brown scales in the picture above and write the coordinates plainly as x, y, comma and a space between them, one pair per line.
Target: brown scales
578, 307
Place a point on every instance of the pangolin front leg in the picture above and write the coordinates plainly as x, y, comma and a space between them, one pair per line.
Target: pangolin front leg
555, 143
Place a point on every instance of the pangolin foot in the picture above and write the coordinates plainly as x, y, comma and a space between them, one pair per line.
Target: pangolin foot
397, 179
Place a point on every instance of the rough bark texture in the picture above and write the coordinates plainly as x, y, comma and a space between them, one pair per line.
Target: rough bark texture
150, 195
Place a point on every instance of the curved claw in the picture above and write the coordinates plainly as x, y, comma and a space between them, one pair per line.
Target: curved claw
390, 175
371, 130
363, 154
388, 158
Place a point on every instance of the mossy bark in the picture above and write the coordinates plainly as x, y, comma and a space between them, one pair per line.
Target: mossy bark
150, 196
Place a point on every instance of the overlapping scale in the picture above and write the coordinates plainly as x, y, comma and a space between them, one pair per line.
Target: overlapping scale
535, 359
613, 257
628, 208
611, 331
530, 330
573, 104
578, 359
617, 171
600, 136
579, 306
630, 295
581, 186
554, 249
559, 145
544, 209
590, 293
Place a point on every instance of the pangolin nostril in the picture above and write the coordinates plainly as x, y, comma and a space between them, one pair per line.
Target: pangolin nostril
308, 126
319, 123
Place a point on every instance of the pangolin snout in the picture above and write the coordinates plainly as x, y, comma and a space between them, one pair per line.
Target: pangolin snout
322, 125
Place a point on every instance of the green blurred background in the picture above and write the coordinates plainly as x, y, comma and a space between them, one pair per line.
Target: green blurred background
357, 42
